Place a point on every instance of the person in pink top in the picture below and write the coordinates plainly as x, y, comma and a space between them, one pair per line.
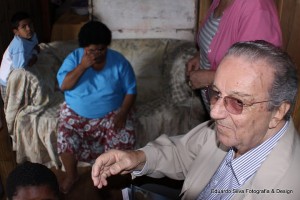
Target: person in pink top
227, 22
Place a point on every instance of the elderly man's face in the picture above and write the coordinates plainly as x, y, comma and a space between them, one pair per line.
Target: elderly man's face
249, 82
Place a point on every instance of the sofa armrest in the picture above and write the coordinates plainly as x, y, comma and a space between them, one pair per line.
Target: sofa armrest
31, 109
32, 86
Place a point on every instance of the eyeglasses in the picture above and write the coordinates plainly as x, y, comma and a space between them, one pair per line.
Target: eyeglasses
97, 51
233, 105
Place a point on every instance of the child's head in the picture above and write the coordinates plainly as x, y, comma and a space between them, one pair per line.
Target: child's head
22, 25
33, 181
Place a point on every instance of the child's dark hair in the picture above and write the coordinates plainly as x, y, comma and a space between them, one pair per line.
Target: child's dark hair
17, 17
30, 174
94, 32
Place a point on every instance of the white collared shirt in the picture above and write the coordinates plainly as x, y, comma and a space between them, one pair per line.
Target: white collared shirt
233, 173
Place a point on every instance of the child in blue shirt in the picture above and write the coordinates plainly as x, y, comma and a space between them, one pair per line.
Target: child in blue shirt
22, 50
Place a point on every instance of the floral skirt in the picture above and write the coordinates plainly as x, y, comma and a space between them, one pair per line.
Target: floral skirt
88, 138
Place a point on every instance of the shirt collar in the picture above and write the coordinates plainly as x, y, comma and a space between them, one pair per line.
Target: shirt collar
246, 165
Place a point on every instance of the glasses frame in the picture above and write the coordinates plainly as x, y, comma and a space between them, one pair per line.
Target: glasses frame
97, 51
230, 103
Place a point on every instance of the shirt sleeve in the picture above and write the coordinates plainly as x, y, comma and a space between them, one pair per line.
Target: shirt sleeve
70, 62
18, 58
173, 156
129, 80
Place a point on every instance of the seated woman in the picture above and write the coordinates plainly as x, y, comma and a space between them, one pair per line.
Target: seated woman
99, 86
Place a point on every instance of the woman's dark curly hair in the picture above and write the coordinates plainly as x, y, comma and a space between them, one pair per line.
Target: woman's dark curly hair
30, 174
94, 32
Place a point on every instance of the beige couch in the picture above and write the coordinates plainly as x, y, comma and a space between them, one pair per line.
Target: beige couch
165, 103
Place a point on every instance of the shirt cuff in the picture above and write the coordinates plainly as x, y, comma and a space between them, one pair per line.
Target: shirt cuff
142, 172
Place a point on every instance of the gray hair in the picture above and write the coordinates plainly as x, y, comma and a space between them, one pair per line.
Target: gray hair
285, 83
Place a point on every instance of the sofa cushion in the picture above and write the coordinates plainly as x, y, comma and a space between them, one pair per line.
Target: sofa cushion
146, 57
177, 55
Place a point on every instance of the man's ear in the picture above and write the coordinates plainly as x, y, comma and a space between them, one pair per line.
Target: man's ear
279, 114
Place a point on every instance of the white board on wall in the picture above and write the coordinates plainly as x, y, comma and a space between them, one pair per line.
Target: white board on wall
148, 18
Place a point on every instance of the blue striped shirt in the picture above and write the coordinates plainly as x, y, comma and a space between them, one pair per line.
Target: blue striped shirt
206, 35
234, 172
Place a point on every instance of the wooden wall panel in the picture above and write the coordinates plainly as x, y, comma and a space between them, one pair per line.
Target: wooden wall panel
290, 23
148, 19
36, 8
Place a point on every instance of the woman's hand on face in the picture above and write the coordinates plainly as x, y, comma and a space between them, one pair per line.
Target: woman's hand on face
88, 59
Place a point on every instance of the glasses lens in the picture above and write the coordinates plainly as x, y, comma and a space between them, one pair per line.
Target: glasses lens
97, 51
233, 105
212, 95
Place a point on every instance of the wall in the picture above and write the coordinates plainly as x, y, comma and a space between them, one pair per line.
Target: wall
148, 19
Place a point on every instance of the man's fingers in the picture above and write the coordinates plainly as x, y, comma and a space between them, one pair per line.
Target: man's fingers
100, 174
111, 163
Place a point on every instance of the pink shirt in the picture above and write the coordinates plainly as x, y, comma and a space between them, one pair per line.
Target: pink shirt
244, 20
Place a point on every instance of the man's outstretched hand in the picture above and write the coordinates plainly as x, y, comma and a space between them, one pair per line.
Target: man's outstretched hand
116, 162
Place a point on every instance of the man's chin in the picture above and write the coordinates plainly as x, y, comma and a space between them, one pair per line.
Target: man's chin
225, 140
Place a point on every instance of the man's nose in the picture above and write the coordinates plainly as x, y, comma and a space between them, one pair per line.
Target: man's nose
218, 110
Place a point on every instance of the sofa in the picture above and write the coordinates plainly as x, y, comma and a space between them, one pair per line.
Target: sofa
165, 104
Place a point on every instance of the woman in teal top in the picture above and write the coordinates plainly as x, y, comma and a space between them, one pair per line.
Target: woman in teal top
99, 86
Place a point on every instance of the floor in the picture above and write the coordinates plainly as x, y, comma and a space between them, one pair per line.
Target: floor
85, 190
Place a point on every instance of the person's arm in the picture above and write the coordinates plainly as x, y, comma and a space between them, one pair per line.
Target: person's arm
166, 156
34, 51
201, 78
197, 77
129, 85
120, 118
116, 162
32, 60
192, 64
73, 76
19, 60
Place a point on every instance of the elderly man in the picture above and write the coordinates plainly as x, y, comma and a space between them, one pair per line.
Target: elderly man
250, 150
